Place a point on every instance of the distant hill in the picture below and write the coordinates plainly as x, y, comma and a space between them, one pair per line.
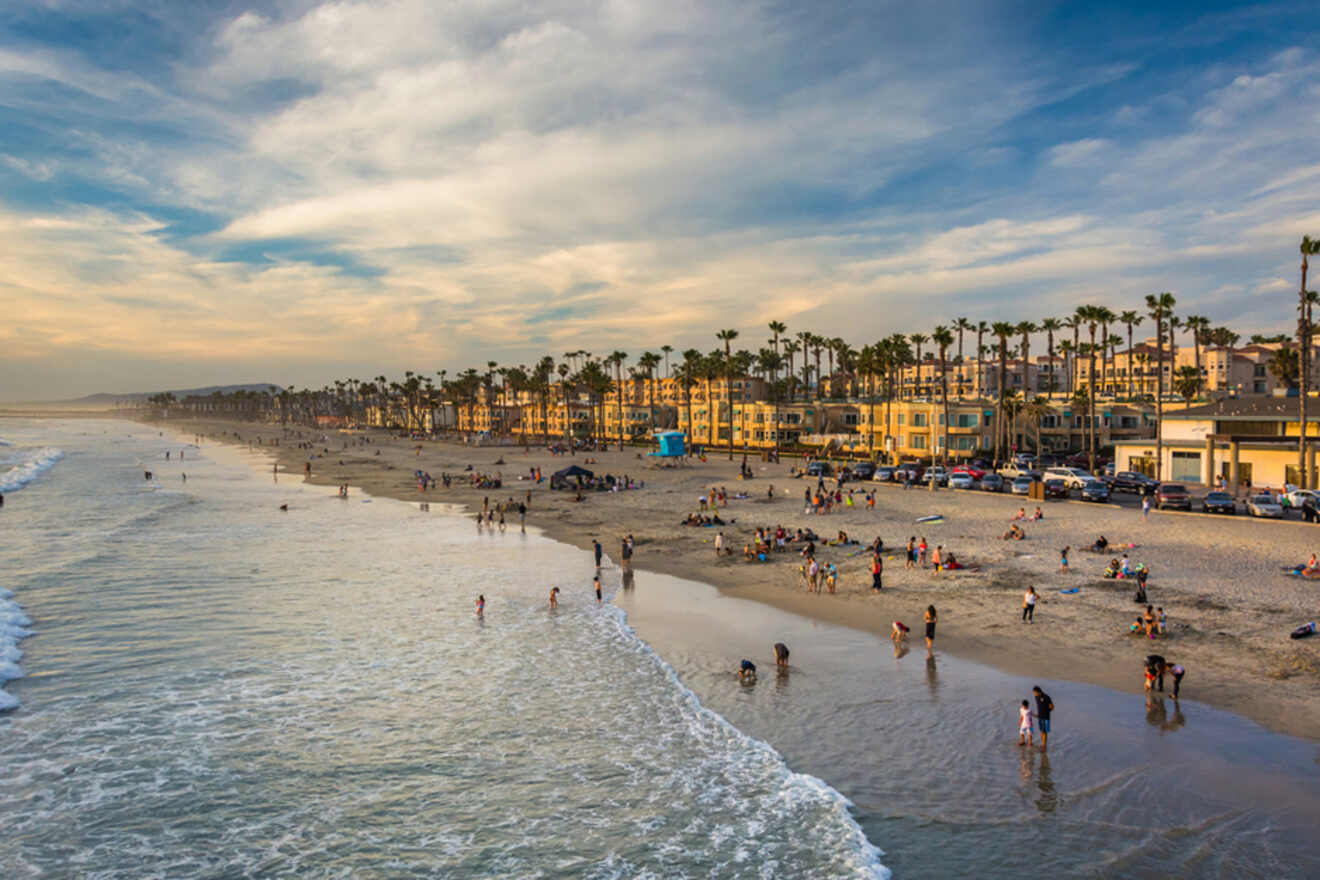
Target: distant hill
105, 399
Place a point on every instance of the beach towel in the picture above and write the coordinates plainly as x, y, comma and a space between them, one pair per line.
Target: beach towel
1072, 590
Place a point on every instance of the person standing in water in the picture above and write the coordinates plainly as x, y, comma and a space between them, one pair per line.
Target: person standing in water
932, 617
1044, 706
1024, 724
554, 598
781, 655
481, 606
596, 584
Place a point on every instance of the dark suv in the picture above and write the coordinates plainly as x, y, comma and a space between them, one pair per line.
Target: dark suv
820, 469
1173, 495
1130, 481
862, 470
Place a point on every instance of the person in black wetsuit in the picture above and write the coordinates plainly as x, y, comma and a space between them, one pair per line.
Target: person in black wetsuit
595, 546
1044, 706
747, 671
1155, 663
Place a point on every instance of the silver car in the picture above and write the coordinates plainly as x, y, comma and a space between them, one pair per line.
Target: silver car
1021, 486
1265, 506
961, 481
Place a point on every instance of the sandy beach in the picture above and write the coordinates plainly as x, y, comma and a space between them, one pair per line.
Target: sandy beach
1220, 580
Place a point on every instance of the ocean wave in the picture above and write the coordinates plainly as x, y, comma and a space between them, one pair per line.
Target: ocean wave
13, 629
33, 465
794, 792
4, 442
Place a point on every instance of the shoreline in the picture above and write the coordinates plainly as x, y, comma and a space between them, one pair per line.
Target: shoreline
1234, 662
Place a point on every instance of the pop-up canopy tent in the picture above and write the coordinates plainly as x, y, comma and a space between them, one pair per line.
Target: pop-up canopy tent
569, 476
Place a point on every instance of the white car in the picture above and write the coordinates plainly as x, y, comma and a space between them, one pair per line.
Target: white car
1265, 505
1073, 478
1298, 497
961, 481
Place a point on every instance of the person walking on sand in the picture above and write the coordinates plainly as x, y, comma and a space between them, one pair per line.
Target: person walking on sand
719, 544
1029, 605
932, 617
1145, 508
1044, 706
877, 572
1063, 560
554, 598
911, 553
598, 550
1024, 724
936, 558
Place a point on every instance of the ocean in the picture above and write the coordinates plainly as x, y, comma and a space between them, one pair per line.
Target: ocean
203, 685
217, 688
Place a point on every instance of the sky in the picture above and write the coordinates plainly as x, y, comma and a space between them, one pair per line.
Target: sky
296, 192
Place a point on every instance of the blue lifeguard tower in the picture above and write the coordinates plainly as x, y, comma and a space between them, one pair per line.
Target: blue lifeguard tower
672, 447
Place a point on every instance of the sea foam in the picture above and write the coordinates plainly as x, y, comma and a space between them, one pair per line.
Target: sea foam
13, 628
31, 466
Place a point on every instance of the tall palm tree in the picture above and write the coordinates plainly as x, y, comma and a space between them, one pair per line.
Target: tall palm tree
727, 336
962, 325
648, 362
1026, 328
790, 348
688, 371
1105, 317
981, 329
918, 339
616, 359
1309, 248
668, 350
1050, 325
1071, 323
1159, 308
943, 338
1002, 330
1130, 319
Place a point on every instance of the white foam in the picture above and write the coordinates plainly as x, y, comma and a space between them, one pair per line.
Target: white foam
13, 629
33, 465
4, 442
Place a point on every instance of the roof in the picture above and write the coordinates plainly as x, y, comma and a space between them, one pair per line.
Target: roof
1253, 408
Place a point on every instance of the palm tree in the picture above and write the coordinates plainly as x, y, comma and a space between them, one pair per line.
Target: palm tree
944, 338
1002, 330
1071, 323
917, 340
1187, 382
1035, 410
688, 376
790, 348
1309, 248
616, 360
1050, 325
648, 362
1131, 319
962, 325
1093, 316
1026, 328
668, 350
981, 329
1159, 306
727, 336
1106, 318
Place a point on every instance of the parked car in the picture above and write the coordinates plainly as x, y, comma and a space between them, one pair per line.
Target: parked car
1021, 485
1024, 458
1298, 497
1218, 502
961, 480
1095, 490
1265, 506
992, 483
863, 470
1130, 481
820, 469
1073, 477
936, 473
1013, 471
1173, 495
1056, 489
975, 472
884, 474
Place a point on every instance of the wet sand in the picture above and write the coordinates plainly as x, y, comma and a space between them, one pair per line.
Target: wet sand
1220, 580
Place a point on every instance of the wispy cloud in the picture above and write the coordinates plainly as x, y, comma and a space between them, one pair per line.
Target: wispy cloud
424, 183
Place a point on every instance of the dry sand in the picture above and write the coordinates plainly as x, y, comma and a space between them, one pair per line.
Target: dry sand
1221, 581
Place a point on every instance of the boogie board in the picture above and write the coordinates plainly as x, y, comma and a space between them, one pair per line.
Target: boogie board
1306, 629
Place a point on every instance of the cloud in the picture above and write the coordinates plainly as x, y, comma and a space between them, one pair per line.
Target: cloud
414, 183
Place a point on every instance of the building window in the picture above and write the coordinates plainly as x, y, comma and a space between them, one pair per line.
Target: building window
1187, 467
918, 441
918, 420
967, 420
850, 419
901, 419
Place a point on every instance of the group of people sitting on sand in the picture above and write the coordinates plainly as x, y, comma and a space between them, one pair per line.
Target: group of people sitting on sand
1014, 533
1022, 515
697, 519
1150, 624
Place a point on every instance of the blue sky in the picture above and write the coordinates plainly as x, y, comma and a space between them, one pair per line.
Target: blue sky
205, 192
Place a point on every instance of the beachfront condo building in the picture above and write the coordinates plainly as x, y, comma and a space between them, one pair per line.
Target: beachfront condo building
1237, 442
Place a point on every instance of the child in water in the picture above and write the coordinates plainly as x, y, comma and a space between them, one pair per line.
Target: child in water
1024, 724
481, 605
